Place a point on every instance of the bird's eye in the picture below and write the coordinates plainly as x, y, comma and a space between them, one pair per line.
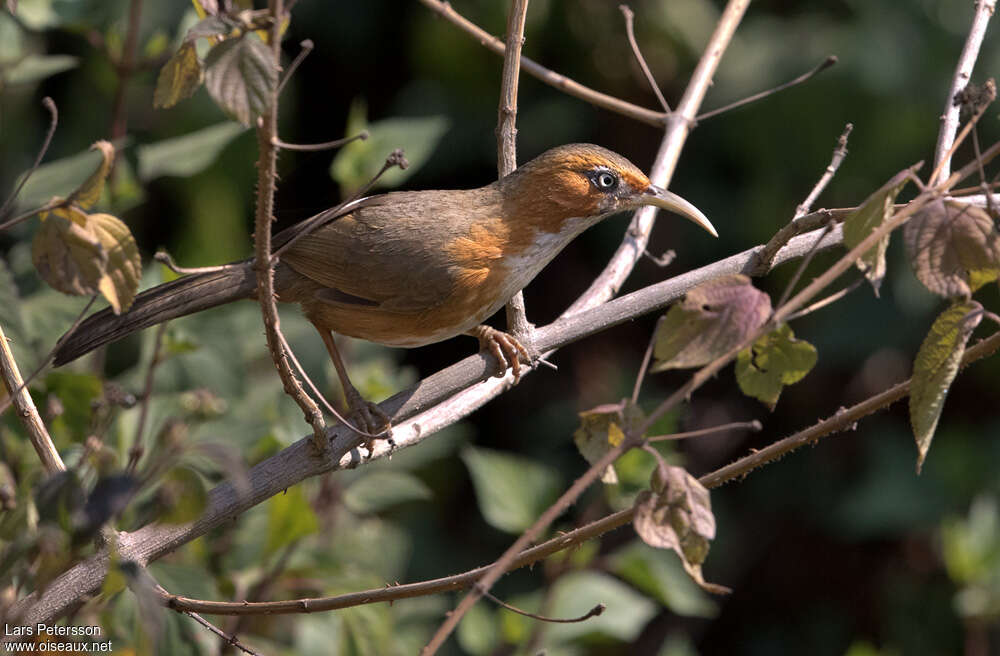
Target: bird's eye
606, 180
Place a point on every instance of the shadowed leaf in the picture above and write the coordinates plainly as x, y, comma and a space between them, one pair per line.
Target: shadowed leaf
713, 318
512, 491
67, 252
773, 361
89, 192
603, 428
954, 248
179, 78
872, 213
241, 77
289, 518
187, 154
935, 368
677, 515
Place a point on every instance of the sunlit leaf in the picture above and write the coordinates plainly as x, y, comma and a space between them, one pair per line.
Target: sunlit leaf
954, 248
773, 361
626, 612
187, 154
359, 161
677, 515
123, 268
67, 252
182, 495
935, 367
713, 318
512, 491
179, 78
602, 429
60, 177
289, 518
478, 633
241, 77
89, 192
33, 68
872, 213
660, 574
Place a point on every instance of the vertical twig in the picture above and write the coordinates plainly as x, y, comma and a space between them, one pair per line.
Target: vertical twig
27, 411
125, 67
147, 392
517, 318
267, 130
963, 72
630, 33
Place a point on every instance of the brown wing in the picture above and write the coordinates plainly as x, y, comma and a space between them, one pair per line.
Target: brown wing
391, 252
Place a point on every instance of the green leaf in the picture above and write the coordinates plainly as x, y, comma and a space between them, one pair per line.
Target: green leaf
34, 68
58, 178
67, 253
602, 429
241, 77
123, 268
512, 491
210, 26
773, 361
379, 490
876, 210
971, 545
182, 495
359, 161
936, 366
89, 192
479, 633
954, 248
179, 78
659, 574
188, 154
289, 518
713, 318
626, 611
13, 312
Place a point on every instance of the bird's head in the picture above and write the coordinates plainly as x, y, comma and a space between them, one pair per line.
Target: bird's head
585, 181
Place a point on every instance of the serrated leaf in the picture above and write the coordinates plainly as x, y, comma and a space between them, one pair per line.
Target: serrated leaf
67, 253
89, 192
182, 495
954, 248
677, 515
241, 77
511, 490
935, 367
773, 361
359, 161
711, 319
289, 518
872, 213
123, 268
188, 154
602, 429
379, 490
179, 78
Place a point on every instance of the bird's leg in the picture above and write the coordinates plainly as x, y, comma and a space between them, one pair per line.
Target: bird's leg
505, 348
366, 415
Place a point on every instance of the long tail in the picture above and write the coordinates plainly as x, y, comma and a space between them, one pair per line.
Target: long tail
174, 299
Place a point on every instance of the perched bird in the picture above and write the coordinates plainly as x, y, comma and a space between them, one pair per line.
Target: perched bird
413, 268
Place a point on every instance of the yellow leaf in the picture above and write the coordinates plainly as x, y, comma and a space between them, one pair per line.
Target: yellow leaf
90, 191
67, 253
124, 266
179, 78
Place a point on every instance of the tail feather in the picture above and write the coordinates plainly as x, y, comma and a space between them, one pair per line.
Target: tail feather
174, 299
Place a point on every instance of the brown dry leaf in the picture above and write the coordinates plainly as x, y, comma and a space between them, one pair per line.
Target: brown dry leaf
954, 248
67, 253
89, 192
677, 515
713, 318
123, 268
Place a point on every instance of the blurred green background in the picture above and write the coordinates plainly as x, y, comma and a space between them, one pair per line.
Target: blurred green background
837, 549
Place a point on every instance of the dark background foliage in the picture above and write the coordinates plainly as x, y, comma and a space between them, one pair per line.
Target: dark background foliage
836, 549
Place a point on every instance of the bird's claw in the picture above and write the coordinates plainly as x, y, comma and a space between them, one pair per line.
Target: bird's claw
507, 350
367, 417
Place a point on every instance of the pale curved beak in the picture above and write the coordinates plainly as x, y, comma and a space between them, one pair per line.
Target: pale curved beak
670, 201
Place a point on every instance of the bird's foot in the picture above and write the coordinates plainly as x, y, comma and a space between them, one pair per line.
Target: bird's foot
505, 348
369, 420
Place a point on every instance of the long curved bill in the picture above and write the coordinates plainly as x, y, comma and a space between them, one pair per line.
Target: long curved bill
670, 201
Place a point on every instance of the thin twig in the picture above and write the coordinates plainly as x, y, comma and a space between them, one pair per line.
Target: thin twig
549, 77
50, 105
163, 257
27, 411
822, 66
822, 303
329, 145
147, 392
647, 356
630, 33
753, 426
230, 639
801, 268
593, 612
306, 47
963, 73
940, 171
124, 68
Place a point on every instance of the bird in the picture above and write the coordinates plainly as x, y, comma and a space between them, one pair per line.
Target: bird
410, 268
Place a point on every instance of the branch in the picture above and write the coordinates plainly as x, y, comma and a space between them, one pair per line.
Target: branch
630, 33
963, 73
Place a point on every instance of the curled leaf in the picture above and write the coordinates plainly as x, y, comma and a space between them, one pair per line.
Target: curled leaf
241, 77
677, 515
602, 429
954, 248
872, 213
89, 192
123, 267
713, 318
773, 361
67, 253
179, 78
936, 366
